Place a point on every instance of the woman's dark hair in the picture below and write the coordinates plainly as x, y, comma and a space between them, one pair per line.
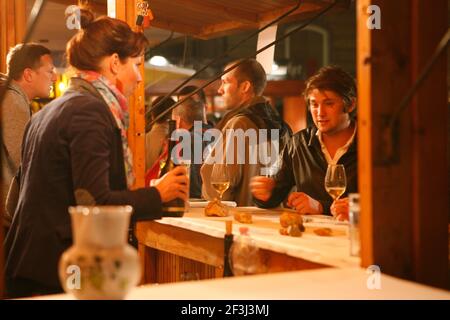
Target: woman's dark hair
333, 78
103, 37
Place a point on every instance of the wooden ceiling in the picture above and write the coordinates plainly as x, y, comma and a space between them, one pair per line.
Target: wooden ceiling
206, 19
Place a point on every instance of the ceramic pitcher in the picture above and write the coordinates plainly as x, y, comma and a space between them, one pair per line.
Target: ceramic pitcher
100, 264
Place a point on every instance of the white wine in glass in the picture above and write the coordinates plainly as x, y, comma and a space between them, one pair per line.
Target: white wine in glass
220, 180
335, 180
221, 187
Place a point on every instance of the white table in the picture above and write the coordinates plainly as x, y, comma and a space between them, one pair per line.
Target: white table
322, 284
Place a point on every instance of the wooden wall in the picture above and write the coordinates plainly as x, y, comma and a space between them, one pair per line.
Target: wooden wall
404, 202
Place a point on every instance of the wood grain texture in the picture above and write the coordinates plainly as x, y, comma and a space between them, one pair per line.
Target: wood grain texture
172, 254
404, 203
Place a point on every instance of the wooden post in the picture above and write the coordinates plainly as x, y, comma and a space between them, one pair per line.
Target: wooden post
12, 30
404, 203
126, 11
12, 26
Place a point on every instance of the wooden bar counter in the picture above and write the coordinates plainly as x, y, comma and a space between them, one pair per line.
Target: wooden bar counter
176, 249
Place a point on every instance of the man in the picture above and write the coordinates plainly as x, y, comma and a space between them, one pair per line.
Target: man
331, 98
198, 97
156, 137
30, 67
241, 90
189, 116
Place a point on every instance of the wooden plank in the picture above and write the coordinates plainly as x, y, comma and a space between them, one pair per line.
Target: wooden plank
20, 19
126, 10
222, 11
177, 26
97, 7
397, 196
390, 186
173, 251
184, 243
364, 84
430, 184
222, 28
304, 8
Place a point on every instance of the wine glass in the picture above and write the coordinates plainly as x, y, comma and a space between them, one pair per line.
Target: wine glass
335, 180
220, 180
273, 168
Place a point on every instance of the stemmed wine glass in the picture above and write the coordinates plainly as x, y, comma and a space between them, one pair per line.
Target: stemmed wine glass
335, 180
273, 168
220, 180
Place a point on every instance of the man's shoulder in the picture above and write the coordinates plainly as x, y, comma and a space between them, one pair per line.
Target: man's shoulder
74, 104
304, 137
14, 102
240, 121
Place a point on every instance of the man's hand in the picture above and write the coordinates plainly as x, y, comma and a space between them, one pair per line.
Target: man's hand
340, 209
261, 187
173, 185
304, 204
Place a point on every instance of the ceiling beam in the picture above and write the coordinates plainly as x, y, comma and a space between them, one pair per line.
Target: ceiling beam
223, 28
98, 8
274, 14
175, 26
212, 9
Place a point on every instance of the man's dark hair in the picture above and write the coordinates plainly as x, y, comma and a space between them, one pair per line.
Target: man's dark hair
252, 71
24, 56
333, 78
161, 108
189, 89
190, 111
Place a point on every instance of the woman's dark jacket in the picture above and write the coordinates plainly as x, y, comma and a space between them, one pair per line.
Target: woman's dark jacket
71, 155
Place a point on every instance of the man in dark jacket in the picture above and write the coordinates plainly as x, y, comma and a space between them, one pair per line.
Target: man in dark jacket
331, 97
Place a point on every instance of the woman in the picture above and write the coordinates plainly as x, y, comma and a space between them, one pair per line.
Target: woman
75, 152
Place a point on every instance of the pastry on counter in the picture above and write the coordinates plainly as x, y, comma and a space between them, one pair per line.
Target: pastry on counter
216, 209
243, 216
291, 224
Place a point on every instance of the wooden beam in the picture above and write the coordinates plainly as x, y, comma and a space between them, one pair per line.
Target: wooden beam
304, 8
404, 203
176, 26
365, 180
215, 9
126, 11
222, 28
96, 7
430, 183
13, 21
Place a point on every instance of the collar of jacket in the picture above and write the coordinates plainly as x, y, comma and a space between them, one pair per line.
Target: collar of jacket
240, 109
18, 89
313, 140
80, 85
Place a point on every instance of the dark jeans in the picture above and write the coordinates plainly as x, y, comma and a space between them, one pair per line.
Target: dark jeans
21, 288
